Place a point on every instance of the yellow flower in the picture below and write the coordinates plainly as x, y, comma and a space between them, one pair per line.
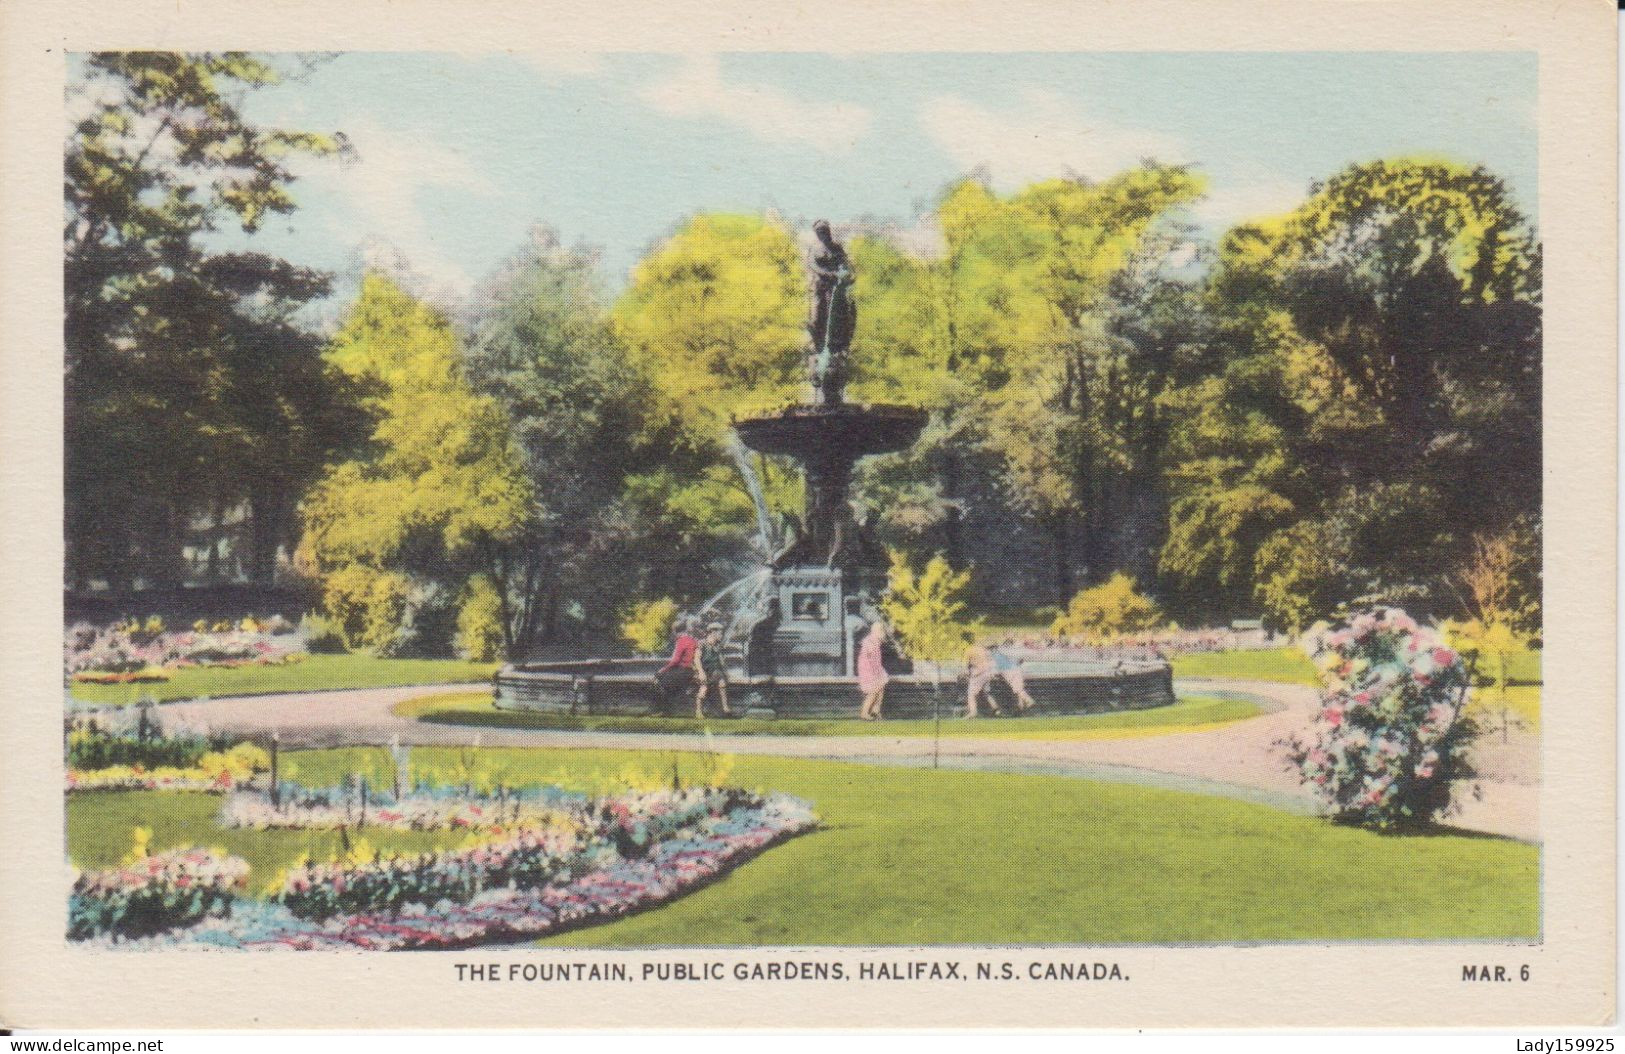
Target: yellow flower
361, 854
246, 759
139, 838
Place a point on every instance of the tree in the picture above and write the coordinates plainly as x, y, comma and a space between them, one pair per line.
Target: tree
1499, 612
714, 320
646, 625
188, 382
925, 609
542, 347
1041, 335
1379, 399
396, 535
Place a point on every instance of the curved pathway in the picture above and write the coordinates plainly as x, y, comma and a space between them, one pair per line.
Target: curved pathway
1236, 760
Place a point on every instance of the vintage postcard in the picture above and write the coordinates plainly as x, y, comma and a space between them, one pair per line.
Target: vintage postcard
961, 515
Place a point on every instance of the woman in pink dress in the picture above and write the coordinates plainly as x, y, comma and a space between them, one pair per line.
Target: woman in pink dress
872, 671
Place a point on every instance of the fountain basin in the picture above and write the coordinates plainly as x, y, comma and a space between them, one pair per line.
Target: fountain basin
625, 688
843, 432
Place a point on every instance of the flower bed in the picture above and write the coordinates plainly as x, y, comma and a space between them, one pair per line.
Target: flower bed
134, 777
1390, 738
511, 885
152, 894
135, 651
106, 756
424, 809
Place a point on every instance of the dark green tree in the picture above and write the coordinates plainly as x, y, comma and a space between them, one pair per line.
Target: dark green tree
542, 346
189, 383
1379, 400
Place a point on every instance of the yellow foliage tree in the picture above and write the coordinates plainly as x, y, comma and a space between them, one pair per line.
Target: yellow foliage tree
925, 609
442, 485
1490, 636
646, 625
714, 316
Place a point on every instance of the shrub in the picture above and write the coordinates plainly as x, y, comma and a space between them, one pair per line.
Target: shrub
1390, 737
646, 625
368, 606
93, 747
1111, 609
479, 621
323, 636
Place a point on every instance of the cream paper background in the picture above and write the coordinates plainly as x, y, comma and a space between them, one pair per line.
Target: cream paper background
44, 983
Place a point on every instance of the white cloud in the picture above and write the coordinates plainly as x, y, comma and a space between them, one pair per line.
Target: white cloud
1045, 137
1249, 199
380, 187
698, 91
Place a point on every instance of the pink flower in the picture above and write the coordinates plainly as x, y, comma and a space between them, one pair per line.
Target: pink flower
1443, 656
1332, 716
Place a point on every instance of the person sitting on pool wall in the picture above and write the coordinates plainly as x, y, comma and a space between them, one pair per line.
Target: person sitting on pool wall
979, 676
712, 672
676, 679
1007, 667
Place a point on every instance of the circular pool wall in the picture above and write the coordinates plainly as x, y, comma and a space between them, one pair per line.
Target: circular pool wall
625, 687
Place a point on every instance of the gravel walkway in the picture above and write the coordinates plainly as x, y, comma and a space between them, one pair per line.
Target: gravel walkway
1237, 760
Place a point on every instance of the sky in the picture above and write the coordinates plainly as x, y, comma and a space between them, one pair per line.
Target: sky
458, 157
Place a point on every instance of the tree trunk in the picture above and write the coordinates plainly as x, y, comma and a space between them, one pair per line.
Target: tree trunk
952, 528
1061, 536
267, 520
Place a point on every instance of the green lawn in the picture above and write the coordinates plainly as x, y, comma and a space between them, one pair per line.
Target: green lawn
915, 856
314, 673
476, 709
1265, 664
1293, 666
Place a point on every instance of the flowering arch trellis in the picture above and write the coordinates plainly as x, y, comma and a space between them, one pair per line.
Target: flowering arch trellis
1391, 737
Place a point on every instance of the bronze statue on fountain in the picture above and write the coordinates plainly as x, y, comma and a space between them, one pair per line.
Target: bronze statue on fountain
834, 317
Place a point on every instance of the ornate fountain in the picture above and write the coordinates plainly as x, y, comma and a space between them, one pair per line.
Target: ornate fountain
791, 626
833, 570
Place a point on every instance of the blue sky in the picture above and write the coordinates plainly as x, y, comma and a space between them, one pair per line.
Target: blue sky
457, 156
